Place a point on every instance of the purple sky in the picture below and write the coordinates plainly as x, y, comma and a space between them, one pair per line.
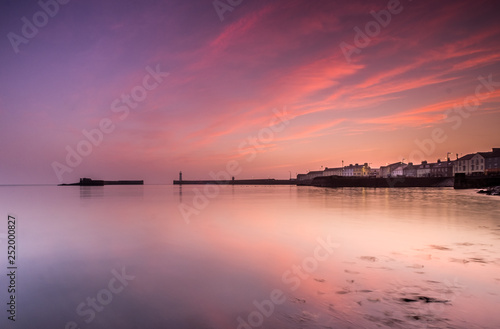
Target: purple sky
376, 97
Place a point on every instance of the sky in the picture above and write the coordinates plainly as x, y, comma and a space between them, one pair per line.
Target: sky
252, 89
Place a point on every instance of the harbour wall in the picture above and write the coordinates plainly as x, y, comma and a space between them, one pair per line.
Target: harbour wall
480, 181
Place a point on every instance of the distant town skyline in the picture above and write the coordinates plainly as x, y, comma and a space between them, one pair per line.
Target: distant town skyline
477, 163
143, 90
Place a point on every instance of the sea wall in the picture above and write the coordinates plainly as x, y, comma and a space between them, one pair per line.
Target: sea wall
339, 181
464, 182
269, 181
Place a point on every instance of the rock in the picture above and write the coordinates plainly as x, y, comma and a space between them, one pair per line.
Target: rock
423, 299
495, 190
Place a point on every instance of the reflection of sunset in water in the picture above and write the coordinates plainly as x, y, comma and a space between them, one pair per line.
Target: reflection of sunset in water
270, 257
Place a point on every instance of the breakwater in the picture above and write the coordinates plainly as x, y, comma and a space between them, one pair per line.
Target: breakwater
460, 181
92, 182
269, 181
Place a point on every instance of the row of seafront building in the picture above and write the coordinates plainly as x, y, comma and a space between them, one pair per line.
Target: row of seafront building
480, 163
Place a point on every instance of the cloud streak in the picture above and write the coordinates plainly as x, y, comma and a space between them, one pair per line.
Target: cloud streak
226, 77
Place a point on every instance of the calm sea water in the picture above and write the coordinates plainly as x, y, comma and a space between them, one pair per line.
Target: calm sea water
251, 257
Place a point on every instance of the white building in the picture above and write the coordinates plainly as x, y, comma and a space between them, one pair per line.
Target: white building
348, 171
357, 170
470, 164
333, 171
387, 171
398, 171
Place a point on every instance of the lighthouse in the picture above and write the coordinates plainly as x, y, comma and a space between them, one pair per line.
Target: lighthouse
180, 177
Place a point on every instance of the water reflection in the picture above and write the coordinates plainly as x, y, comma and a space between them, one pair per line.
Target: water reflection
401, 258
132, 191
91, 191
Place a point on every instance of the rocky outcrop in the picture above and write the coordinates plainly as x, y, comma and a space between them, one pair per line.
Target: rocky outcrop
494, 190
